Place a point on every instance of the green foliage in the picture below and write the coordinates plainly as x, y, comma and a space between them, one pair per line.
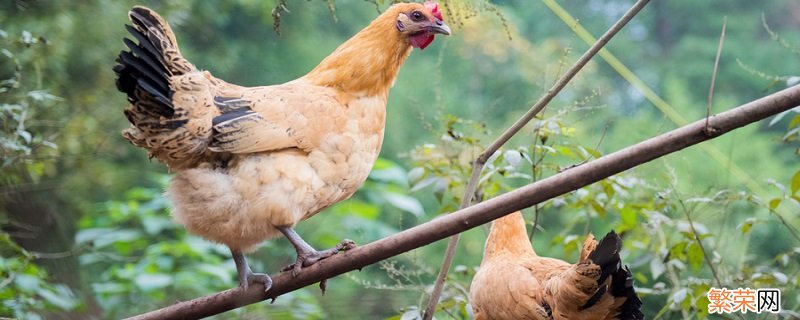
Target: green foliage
23, 147
138, 257
671, 253
25, 290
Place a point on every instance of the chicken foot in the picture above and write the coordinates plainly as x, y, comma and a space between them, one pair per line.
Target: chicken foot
307, 255
247, 276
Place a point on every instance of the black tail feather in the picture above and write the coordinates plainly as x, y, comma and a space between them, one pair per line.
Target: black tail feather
145, 21
157, 69
155, 30
150, 88
142, 72
622, 286
606, 255
147, 45
139, 69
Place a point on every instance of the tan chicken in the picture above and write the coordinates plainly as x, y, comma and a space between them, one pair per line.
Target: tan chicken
251, 162
515, 283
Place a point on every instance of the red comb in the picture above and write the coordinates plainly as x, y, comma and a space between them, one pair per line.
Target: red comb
434, 7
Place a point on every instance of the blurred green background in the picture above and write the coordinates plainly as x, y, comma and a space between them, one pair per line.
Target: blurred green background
86, 231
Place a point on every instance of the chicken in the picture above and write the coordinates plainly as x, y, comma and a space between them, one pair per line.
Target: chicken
515, 283
252, 162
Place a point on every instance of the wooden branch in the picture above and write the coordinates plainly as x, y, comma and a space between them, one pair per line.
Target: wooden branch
486, 211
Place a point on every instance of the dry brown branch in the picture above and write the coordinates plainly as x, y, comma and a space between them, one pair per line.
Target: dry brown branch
486, 211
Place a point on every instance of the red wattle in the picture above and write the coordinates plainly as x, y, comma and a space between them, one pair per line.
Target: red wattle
421, 40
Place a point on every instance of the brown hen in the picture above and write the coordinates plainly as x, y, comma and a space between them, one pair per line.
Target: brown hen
251, 162
515, 283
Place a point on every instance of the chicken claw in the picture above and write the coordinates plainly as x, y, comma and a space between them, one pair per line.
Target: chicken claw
307, 255
307, 258
247, 276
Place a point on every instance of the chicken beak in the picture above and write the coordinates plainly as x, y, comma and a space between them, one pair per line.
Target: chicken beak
440, 28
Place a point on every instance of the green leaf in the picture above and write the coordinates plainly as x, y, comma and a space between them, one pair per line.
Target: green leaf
357, 208
424, 183
369, 229
440, 189
791, 133
695, 255
593, 152
122, 236
597, 207
795, 122
42, 96
62, 299
566, 151
796, 183
513, 157
220, 271
747, 225
680, 296
628, 216
388, 171
780, 277
778, 118
25, 135
608, 189
702, 306
678, 251
86, 235
774, 203
415, 175
657, 267
572, 243
152, 281
153, 225
405, 203
27, 283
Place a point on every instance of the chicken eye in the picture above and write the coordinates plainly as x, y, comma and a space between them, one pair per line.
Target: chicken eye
417, 16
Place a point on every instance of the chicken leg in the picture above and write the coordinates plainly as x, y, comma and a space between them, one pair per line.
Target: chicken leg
246, 276
307, 255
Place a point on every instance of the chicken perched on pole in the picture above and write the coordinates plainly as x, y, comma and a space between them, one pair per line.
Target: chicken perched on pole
515, 283
251, 162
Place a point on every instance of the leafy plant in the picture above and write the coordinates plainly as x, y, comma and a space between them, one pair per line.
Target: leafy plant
25, 290
23, 148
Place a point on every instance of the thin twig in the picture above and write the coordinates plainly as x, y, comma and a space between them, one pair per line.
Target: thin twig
697, 237
486, 211
477, 165
699, 242
58, 255
535, 222
534, 176
599, 143
786, 224
714, 74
